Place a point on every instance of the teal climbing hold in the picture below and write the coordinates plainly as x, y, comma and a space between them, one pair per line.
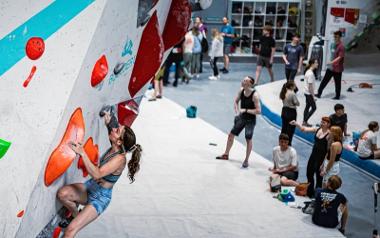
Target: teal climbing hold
4, 146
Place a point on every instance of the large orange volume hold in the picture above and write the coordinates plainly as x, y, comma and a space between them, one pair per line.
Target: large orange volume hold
62, 156
92, 152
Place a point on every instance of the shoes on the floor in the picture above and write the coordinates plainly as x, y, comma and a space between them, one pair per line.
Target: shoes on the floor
159, 96
335, 98
318, 95
245, 164
213, 78
225, 71
342, 231
222, 157
151, 99
306, 124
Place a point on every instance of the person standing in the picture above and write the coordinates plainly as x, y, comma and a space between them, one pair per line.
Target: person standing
228, 34
203, 30
188, 46
245, 118
266, 53
197, 52
289, 108
293, 58
216, 52
175, 57
330, 165
318, 153
337, 67
309, 90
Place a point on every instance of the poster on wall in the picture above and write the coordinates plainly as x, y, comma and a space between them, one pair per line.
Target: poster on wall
352, 16
337, 16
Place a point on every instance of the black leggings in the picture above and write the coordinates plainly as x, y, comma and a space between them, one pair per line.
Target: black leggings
326, 79
313, 166
214, 66
310, 103
288, 115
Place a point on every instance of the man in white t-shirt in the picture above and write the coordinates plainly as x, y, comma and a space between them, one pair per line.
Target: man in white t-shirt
367, 146
285, 162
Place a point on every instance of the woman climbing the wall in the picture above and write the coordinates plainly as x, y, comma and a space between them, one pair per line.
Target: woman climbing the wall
96, 193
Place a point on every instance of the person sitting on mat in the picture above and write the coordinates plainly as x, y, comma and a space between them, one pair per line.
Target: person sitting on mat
285, 162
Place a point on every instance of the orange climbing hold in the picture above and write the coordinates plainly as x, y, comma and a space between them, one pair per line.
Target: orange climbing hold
21, 213
62, 156
100, 71
92, 152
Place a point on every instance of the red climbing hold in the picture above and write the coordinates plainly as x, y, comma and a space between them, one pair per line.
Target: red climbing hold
92, 152
62, 156
149, 56
177, 23
56, 232
29, 78
35, 47
100, 70
127, 112
20, 214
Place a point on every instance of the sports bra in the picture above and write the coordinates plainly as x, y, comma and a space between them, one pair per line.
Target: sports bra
337, 156
112, 178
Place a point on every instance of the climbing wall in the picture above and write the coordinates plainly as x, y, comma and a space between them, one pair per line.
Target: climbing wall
60, 63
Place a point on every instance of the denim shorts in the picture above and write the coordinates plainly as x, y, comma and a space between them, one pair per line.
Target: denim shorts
98, 196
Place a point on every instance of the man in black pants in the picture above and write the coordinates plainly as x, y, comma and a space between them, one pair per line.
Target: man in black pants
336, 67
293, 58
174, 57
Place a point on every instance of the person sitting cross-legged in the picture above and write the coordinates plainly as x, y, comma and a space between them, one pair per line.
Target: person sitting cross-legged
285, 162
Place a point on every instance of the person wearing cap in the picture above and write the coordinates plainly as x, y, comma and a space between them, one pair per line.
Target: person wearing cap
336, 67
95, 194
245, 117
293, 57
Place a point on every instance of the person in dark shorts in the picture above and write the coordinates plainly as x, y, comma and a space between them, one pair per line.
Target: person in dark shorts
293, 58
245, 118
266, 54
331, 206
285, 162
339, 118
228, 33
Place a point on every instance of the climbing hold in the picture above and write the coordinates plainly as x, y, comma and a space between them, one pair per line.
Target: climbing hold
118, 68
57, 232
4, 146
149, 56
127, 112
177, 23
20, 214
35, 47
99, 72
62, 156
92, 152
29, 78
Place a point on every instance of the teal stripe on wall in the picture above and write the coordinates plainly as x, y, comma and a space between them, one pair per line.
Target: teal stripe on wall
43, 24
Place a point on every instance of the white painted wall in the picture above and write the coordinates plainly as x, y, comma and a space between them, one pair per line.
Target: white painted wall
35, 118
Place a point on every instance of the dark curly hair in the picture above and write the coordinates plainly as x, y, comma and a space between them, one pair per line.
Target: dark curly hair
129, 142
